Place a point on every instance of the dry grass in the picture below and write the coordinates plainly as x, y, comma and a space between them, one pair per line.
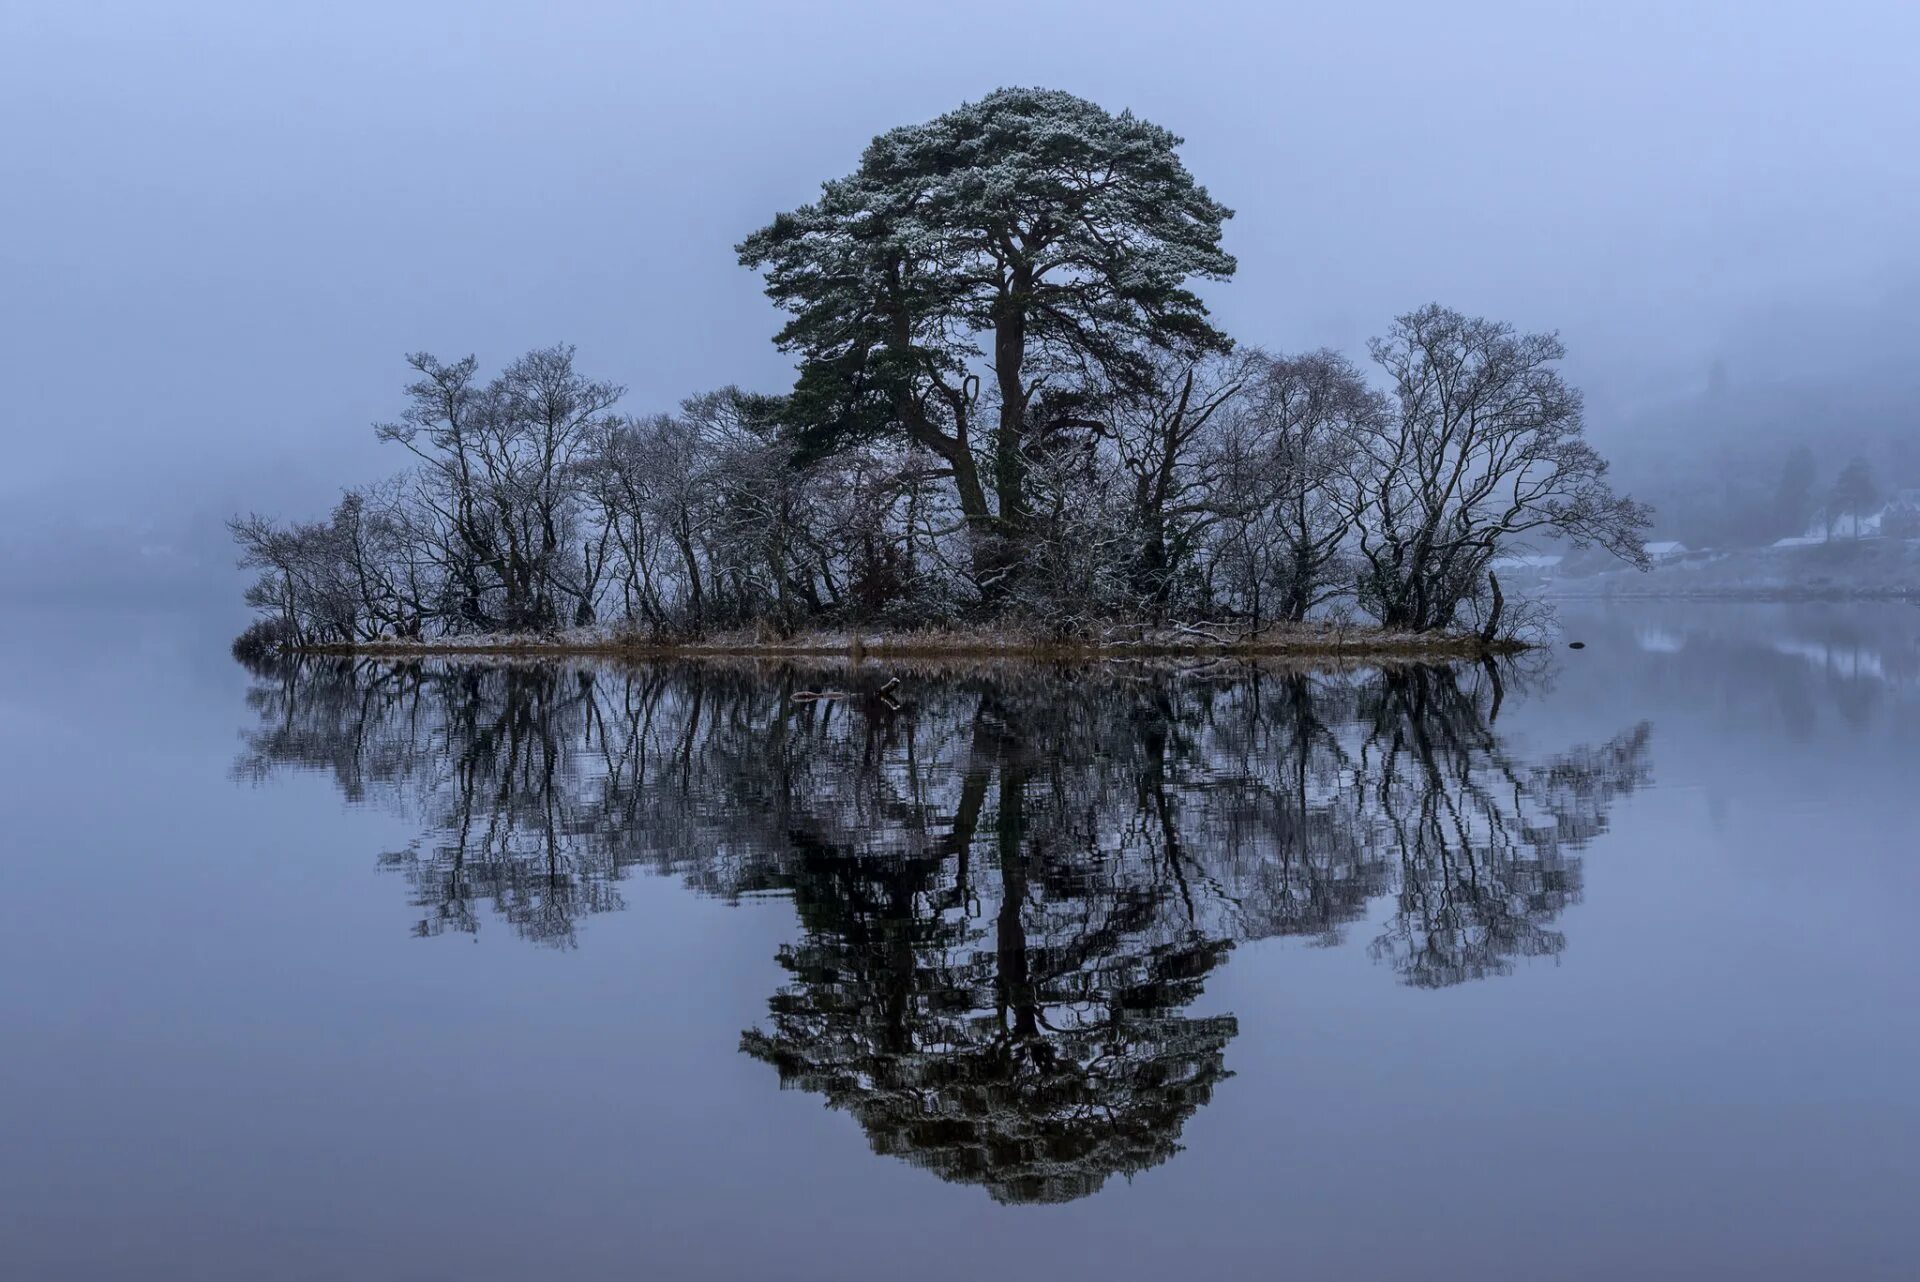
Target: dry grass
1305, 642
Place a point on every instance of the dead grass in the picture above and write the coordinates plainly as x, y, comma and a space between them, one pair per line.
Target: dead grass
1306, 642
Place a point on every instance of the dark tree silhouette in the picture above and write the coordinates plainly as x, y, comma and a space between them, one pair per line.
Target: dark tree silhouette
1031, 230
1855, 496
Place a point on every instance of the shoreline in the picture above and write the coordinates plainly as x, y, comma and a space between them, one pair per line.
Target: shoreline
1760, 595
1340, 648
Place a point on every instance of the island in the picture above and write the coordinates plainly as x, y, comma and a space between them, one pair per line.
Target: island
1014, 427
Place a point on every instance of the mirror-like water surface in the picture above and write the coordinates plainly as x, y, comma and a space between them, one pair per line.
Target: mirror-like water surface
1589, 965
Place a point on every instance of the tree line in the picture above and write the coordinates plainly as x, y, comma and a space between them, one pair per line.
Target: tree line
1009, 404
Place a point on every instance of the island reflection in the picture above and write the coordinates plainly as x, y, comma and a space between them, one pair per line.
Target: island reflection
1012, 884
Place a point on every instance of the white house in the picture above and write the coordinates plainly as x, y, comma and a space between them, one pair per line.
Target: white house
1844, 526
1544, 566
1898, 518
1664, 551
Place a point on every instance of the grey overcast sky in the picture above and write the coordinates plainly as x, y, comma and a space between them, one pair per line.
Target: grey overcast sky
223, 224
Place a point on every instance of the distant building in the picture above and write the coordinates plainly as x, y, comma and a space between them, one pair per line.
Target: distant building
1846, 525
1900, 518
1664, 551
1521, 567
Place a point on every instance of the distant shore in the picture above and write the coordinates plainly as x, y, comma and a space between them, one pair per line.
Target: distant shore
1307, 642
1761, 595
1873, 569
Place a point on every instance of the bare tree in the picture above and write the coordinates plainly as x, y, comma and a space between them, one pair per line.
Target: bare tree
1312, 410
1483, 447
504, 462
1230, 486
761, 507
1170, 436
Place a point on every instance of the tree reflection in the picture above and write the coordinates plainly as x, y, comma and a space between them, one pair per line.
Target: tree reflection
1011, 886
1485, 843
1007, 1008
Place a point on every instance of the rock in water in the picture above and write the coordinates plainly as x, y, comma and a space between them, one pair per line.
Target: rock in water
1576, 645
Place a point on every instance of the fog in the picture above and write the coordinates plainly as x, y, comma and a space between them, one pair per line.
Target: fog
225, 224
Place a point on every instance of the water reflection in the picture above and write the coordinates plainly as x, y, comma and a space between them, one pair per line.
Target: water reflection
1012, 885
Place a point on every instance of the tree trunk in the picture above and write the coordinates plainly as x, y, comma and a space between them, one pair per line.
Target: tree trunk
1492, 627
1009, 440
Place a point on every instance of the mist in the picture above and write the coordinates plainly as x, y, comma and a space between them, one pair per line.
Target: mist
226, 224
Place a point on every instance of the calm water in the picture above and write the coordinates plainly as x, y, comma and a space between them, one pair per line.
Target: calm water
1601, 967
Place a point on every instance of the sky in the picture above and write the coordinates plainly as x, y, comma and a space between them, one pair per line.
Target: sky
222, 226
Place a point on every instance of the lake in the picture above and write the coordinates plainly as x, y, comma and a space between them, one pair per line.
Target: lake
1595, 965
